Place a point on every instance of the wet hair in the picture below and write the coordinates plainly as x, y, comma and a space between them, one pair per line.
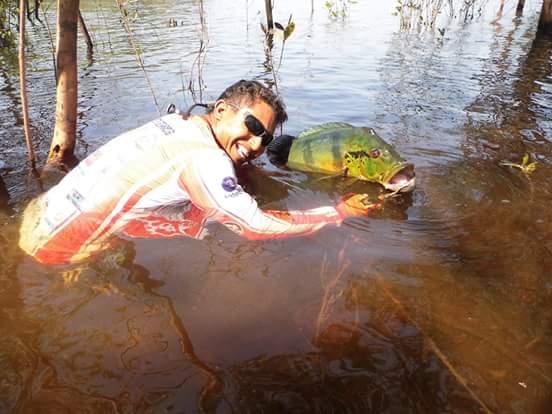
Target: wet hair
249, 91
246, 92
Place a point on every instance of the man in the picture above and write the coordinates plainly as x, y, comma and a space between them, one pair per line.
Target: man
170, 178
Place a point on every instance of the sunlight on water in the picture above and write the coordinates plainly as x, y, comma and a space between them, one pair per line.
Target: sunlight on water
440, 302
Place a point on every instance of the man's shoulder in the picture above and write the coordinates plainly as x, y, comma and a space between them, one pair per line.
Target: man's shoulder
213, 158
173, 124
167, 136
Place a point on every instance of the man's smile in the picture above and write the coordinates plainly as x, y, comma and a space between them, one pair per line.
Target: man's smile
242, 151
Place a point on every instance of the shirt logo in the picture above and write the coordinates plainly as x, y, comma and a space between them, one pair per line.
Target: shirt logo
76, 198
229, 184
163, 126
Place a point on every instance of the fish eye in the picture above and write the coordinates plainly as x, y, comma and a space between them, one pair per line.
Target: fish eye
375, 153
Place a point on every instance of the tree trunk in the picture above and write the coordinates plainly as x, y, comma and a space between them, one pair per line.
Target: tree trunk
23, 84
519, 8
269, 21
545, 21
3, 21
500, 10
86, 34
63, 144
4, 195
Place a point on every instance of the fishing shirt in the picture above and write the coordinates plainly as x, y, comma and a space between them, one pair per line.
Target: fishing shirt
167, 178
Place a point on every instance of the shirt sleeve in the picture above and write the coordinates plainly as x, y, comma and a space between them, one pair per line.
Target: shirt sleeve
210, 180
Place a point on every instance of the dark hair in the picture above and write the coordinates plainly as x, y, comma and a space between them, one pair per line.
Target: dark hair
249, 91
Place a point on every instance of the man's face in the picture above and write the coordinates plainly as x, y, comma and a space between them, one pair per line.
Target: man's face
232, 133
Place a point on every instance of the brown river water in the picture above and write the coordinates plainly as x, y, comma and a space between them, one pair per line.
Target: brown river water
440, 303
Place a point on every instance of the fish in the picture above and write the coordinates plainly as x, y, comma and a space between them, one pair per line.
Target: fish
339, 148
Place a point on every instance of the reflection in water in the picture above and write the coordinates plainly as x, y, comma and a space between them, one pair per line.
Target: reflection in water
419, 15
508, 211
509, 117
196, 84
105, 332
17, 360
8, 89
4, 195
17, 366
278, 187
381, 364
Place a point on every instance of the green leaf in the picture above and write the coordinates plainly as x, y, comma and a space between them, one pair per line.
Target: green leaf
525, 159
507, 164
531, 167
290, 28
525, 167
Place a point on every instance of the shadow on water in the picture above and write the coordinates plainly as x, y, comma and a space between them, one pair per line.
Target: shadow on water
490, 229
4, 195
510, 116
480, 282
490, 290
277, 187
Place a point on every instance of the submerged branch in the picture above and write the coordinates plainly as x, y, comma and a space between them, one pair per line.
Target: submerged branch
199, 59
89, 44
433, 346
137, 54
269, 19
23, 85
330, 297
51, 39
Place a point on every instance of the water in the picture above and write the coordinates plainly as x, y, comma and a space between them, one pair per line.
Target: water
439, 303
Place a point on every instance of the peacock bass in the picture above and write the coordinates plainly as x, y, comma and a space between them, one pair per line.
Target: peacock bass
340, 148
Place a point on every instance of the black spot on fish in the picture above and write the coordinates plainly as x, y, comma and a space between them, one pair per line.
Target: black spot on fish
347, 158
356, 155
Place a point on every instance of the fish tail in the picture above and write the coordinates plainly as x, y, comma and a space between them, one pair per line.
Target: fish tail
278, 149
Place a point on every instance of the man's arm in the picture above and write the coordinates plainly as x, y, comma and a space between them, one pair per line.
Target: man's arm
211, 182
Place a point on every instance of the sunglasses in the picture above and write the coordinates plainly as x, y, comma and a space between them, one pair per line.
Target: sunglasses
255, 127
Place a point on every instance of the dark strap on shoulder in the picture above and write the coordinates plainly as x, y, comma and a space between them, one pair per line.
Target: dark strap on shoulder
186, 114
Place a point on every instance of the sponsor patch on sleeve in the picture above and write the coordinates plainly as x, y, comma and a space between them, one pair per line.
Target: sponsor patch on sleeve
229, 184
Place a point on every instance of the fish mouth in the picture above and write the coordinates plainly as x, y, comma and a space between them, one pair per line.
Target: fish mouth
402, 180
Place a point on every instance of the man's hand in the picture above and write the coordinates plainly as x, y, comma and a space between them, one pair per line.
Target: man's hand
352, 205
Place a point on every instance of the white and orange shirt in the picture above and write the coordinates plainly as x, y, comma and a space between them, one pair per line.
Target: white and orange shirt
167, 178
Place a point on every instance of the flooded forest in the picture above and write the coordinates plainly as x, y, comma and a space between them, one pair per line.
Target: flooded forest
439, 302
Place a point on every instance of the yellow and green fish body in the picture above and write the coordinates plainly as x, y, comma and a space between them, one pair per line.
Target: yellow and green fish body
340, 148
